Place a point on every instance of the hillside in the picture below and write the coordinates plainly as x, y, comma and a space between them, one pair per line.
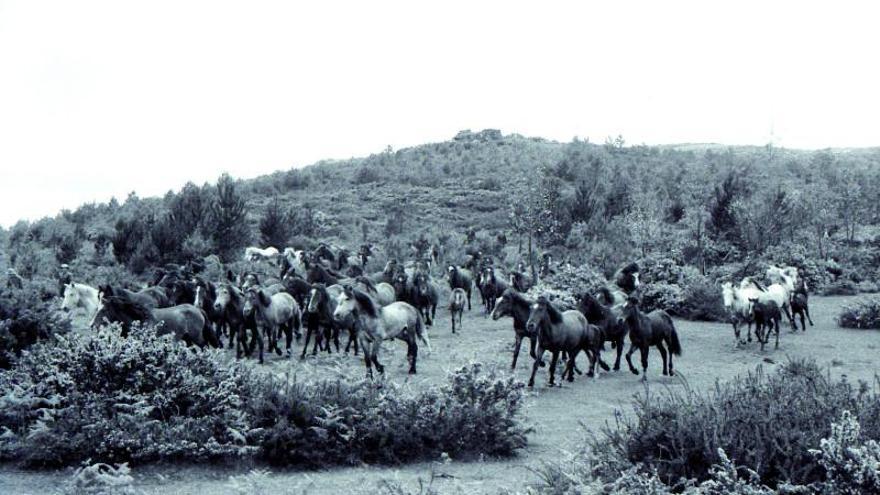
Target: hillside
597, 204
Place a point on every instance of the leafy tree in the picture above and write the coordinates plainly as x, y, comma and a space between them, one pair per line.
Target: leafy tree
228, 219
722, 221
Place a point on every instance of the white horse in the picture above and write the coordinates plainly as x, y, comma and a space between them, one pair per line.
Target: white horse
81, 296
736, 302
297, 260
787, 277
254, 254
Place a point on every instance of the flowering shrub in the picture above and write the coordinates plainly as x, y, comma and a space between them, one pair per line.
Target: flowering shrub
28, 315
113, 399
341, 423
864, 313
147, 398
101, 479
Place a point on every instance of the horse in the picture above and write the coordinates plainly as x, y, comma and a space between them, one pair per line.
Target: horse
80, 296
520, 281
364, 253
627, 278
461, 278
646, 330
275, 313
491, 287
457, 301
319, 313
294, 260
736, 302
787, 276
297, 287
384, 293
398, 320
152, 297
800, 306
254, 254
608, 321
323, 252
229, 303
424, 297
513, 304
560, 331
186, 322
205, 295
766, 315
318, 274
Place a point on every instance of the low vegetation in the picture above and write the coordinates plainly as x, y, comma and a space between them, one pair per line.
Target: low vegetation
755, 434
864, 313
145, 398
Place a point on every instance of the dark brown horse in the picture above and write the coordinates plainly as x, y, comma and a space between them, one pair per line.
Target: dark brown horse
318, 315
319, 274
186, 322
608, 321
491, 287
151, 297
560, 331
520, 281
424, 297
766, 315
646, 330
800, 304
229, 303
513, 304
461, 278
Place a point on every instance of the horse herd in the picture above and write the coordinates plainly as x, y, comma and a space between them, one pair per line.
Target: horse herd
310, 295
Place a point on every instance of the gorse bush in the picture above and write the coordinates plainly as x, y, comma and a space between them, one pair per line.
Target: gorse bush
28, 315
114, 399
342, 423
864, 313
147, 398
846, 462
767, 422
101, 479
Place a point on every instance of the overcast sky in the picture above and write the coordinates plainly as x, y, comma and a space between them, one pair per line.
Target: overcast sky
101, 98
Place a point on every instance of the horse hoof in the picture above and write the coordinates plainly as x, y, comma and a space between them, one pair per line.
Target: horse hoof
412, 372
589, 375
616, 368
635, 372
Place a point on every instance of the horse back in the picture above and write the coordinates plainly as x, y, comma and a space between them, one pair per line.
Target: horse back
184, 320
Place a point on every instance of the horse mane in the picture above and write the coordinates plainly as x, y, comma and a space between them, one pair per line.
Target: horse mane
516, 297
755, 283
630, 268
366, 282
606, 294
365, 302
130, 307
594, 309
553, 312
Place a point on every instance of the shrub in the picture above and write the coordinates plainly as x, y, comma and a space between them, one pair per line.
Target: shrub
113, 399
343, 423
28, 315
703, 301
850, 467
661, 295
765, 421
841, 288
864, 313
101, 479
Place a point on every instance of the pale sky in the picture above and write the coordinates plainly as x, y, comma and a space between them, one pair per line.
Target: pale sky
101, 98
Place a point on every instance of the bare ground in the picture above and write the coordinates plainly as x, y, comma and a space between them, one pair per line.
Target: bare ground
555, 413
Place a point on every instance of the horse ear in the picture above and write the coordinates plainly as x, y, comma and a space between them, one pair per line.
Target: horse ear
264, 299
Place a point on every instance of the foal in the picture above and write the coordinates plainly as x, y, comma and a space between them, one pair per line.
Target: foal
646, 330
457, 302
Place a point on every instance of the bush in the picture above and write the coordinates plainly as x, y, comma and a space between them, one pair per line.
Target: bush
341, 423
767, 422
111, 399
101, 479
841, 288
661, 295
147, 398
864, 313
847, 462
703, 301
28, 315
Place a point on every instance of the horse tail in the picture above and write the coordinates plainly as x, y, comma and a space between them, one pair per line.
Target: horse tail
674, 344
421, 333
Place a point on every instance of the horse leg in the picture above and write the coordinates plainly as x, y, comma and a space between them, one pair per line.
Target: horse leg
736, 337
368, 361
375, 357
539, 354
553, 359
516, 346
598, 352
289, 335
619, 344
309, 331
276, 335
750, 332
258, 339
776, 326
645, 350
632, 349
785, 309
807, 311
662, 350
412, 351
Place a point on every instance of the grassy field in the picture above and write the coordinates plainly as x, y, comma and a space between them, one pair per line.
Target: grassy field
556, 414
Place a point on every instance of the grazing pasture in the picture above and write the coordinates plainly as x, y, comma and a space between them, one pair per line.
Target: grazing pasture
555, 413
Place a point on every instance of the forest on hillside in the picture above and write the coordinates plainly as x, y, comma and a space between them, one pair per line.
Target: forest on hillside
589, 204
